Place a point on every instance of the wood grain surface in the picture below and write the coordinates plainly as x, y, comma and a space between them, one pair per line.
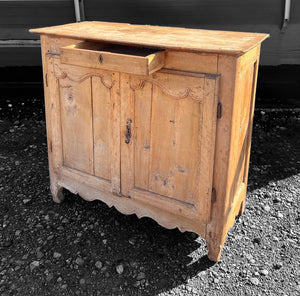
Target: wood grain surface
234, 43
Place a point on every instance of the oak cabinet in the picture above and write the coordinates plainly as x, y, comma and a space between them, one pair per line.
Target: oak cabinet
159, 127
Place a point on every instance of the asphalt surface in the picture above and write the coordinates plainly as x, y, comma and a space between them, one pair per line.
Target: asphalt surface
87, 248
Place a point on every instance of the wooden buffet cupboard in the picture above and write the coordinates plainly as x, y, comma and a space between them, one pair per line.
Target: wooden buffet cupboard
152, 120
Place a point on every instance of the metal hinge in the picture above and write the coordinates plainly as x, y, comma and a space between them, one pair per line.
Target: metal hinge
213, 195
219, 110
46, 79
50, 53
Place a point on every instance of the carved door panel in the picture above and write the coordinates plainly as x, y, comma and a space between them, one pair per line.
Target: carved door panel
87, 99
169, 124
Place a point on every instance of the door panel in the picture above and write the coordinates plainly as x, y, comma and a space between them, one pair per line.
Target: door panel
87, 100
172, 143
174, 146
76, 123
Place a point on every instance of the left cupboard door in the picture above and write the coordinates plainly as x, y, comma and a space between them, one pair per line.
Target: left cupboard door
89, 106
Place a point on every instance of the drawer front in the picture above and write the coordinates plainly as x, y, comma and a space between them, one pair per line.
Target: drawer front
127, 59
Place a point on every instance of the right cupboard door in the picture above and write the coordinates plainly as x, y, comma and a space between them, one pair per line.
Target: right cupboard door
168, 124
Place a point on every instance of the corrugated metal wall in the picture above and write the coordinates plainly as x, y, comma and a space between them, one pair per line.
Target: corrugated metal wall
16, 17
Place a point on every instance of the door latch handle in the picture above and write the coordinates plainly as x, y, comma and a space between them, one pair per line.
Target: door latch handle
128, 131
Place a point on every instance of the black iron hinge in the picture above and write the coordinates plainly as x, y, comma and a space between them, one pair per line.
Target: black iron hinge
46, 79
219, 110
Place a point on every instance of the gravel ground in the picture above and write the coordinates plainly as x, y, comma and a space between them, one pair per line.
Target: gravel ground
87, 248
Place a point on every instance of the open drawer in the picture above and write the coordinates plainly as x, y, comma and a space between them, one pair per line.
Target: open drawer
114, 57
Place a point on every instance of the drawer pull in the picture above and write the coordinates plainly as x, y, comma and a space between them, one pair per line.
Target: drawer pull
100, 58
128, 131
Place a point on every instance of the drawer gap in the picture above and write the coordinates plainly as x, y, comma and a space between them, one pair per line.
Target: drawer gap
116, 48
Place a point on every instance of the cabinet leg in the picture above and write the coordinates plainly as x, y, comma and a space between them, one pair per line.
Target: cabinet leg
57, 193
214, 250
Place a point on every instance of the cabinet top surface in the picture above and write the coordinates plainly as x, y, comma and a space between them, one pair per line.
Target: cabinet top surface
234, 43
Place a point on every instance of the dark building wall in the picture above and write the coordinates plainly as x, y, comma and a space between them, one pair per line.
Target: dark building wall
16, 17
264, 16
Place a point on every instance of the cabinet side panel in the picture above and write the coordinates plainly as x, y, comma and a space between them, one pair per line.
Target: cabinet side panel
76, 122
101, 98
240, 129
237, 95
216, 229
250, 118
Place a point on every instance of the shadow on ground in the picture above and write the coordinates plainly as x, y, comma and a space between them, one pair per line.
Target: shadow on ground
100, 251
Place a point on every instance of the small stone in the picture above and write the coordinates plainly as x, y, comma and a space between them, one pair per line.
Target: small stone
79, 261
64, 286
254, 281
141, 276
132, 241
59, 279
98, 264
49, 277
18, 232
267, 208
17, 162
65, 220
120, 269
56, 255
278, 265
264, 272
276, 199
18, 262
216, 281
136, 284
47, 218
104, 241
279, 215
282, 128
39, 254
82, 281
26, 201
257, 240
34, 265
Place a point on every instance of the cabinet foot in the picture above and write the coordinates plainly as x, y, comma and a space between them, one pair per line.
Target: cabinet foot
214, 251
57, 193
